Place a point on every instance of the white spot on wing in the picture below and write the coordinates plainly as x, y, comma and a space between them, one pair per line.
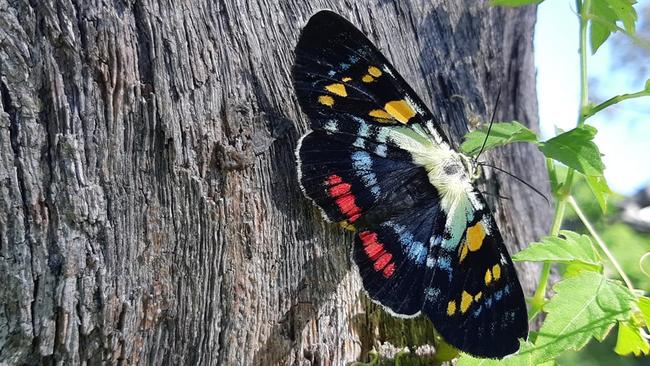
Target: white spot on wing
387, 70
362, 162
363, 129
381, 150
331, 125
360, 143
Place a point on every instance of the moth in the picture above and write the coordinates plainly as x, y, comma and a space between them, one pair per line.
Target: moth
377, 163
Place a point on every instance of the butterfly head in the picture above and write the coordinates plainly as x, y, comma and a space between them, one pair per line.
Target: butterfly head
473, 169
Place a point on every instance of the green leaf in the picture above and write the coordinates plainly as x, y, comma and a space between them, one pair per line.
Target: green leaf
576, 150
647, 85
514, 2
600, 189
574, 269
624, 13
518, 359
604, 14
644, 306
569, 248
603, 26
585, 306
630, 341
502, 133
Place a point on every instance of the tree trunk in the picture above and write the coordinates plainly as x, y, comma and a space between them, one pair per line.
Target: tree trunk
149, 206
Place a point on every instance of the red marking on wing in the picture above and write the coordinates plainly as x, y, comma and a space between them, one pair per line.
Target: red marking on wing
374, 250
367, 236
339, 190
334, 179
389, 270
371, 246
383, 261
345, 200
377, 253
347, 205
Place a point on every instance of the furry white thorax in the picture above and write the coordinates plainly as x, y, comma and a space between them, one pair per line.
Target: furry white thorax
448, 171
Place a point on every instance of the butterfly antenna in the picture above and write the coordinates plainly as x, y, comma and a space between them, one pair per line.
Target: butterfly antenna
517, 178
497, 196
494, 112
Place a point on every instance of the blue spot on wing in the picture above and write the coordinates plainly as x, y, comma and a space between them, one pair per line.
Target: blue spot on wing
417, 252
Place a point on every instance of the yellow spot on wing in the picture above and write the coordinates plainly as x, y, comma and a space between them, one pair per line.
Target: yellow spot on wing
326, 100
347, 226
478, 296
488, 277
496, 271
367, 79
465, 301
451, 308
346, 79
338, 89
374, 71
379, 113
400, 110
463, 252
475, 236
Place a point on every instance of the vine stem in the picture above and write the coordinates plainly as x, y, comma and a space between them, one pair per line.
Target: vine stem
600, 242
584, 86
564, 192
614, 100
540, 292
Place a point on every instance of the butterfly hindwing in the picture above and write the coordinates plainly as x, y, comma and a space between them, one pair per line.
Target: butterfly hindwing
473, 295
391, 252
347, 178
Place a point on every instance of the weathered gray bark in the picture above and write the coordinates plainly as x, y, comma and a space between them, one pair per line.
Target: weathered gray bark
149, 206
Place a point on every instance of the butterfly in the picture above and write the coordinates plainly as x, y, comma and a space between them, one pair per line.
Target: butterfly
377, 163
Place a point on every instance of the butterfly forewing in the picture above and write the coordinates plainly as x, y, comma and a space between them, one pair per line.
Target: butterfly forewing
376, 163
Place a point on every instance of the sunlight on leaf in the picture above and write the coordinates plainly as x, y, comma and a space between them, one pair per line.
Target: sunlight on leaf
502, 133
585, 306
644, 306
604, 16
600, 189
630, 341
576, 150
570, 248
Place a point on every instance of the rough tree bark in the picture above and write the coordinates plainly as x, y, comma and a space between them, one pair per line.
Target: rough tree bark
149, 206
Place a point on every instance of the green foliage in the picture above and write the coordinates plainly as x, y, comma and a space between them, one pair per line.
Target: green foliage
501, 133
568, 248
600, 189
604, 16
576, 150
585, 306
644, 307
628, 247
630, 341
588, 301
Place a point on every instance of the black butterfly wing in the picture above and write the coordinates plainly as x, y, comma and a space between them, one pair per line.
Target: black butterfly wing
363, 187
339, 71
473, 296
353, 165
417, 245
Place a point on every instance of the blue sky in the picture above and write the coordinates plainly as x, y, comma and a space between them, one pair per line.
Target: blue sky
624, 134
